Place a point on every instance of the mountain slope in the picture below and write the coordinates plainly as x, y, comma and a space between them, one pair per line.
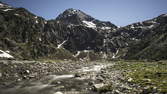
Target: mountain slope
23, 34
143, 40
81, 31
155, 43
27, 36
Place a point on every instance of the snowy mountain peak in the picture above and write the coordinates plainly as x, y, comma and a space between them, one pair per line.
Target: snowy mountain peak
71, 10
73, 16
77, 17
74, 11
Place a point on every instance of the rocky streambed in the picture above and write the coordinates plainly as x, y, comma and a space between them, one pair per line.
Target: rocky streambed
63, 77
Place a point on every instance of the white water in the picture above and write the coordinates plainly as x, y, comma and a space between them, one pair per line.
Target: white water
95, 68
56, 77
38, 86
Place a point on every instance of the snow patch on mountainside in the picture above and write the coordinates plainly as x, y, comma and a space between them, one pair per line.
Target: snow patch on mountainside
16, 14
45, 22
87, 51
114, 54
89, 24
1, 5
7, 10
35, 17
61, 44
151, 26
36, 22
4, 54
105, 28
132, 26
74, 10
165, 15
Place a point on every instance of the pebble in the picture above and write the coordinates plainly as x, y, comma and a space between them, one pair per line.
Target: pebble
58, 92
98, 85
77, 75
27, 71
18, 79
0, 74
58, 82
130, 79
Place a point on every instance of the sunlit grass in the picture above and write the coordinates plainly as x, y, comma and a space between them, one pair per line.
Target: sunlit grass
145, 74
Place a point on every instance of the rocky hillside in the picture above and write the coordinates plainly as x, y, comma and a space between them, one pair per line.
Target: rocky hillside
142, 40
27, 36
81, 31
24, 35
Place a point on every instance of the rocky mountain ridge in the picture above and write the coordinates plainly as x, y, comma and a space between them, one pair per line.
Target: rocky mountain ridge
143, 40
73, 33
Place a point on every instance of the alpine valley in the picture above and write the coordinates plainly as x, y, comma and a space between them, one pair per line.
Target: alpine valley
27, 36
78, 54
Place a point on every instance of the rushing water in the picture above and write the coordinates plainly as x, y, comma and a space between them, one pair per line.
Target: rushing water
54, 84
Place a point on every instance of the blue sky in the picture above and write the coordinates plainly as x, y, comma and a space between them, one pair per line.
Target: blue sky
119, 12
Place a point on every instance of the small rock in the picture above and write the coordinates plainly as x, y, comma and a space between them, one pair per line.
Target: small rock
130, 79
58, 82
90, 83
77, 75
58, 92
0, 74
31, 76
102, 71
117, 92
25, 77
97, 86
16, 75
149, 80
26, 72
148, 90
100, 79
19, 79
